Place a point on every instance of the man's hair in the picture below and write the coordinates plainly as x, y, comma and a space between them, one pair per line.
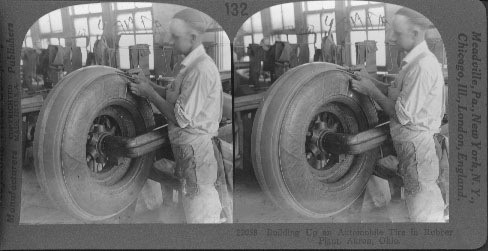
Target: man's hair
415, 18
195, 19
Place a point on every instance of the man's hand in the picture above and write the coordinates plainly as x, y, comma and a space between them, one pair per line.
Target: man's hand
364, 86
142, 86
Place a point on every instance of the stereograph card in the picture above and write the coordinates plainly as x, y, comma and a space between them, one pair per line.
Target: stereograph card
306, 159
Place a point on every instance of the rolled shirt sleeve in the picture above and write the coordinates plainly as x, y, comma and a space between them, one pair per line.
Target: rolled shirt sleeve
191, 100
414, 94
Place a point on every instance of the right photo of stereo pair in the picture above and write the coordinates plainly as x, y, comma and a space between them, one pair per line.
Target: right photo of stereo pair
340, 115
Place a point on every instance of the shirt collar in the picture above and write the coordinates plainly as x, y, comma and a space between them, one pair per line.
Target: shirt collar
417, 50
190, 58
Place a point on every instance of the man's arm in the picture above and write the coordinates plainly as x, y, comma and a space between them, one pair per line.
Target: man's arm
145, 88
163, 106
367, 87
159, 89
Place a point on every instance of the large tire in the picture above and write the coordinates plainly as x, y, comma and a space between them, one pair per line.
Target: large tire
280, 133
60, 144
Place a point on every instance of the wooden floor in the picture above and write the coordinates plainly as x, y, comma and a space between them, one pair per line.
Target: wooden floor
252, 206
36, 208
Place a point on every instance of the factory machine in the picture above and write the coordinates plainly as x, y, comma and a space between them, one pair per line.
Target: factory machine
315, 142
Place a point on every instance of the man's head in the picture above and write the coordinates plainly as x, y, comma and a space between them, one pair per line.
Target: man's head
408, 28
187, 29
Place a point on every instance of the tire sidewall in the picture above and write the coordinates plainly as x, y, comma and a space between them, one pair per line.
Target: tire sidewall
279, 133
64, 124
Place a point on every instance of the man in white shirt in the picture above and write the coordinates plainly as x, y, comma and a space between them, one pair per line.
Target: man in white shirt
415, 104
193, 107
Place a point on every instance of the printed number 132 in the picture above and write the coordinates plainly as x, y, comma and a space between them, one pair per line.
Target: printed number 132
236, 9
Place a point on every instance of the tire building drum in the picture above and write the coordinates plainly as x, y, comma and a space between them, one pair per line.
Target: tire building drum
289, 168
87, 103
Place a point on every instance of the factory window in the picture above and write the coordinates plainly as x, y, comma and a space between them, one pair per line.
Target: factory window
28, 40
319, 5
282, 16
223, 53
134, 24
320, 18
367, 21
251, 32
130, 6
253, 28
51, 23
88, 26
86, 9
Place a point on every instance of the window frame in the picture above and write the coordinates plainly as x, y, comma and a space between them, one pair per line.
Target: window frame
135, 31
366, 27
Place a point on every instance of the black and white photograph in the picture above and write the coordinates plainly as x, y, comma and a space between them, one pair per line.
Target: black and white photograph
127, 116
341, 115
243, 124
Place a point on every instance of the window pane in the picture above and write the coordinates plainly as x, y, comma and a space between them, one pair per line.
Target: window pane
53, 41
44, 24
125, 6
292, 39
357, 3
125, 22
311, 49
276, 21
28, 42
224, 51
81, 42
28, 33
81, 26
314, 40
44, 43
256, 22
81, 9
125, 42
327, 20
95, 7
93, 39
314, 21
56, 21
143, 5
147, 39
246, 27
358, 18
288, 15
314, 5
83, 56
94, 29
376, 15
329, 4
257, 37
143, 20
62, 42
379, 37
247, 42
356, 36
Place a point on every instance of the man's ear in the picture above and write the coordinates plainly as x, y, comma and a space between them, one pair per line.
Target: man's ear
193, 36
416, 31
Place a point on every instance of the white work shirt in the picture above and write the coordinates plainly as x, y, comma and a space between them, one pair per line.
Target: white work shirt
197, 96
418, 93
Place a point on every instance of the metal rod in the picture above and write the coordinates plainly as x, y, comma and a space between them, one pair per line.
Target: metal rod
118, 146
341, 143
